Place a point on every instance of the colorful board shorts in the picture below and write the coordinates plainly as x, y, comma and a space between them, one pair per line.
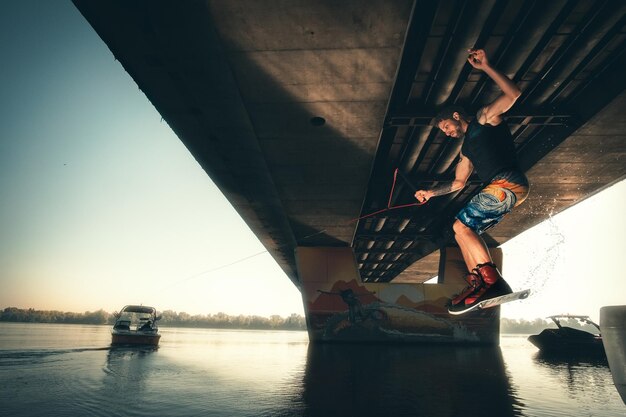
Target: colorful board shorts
505, 191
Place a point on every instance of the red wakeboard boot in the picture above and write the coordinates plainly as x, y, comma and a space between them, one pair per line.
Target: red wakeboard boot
489, 284
474, 281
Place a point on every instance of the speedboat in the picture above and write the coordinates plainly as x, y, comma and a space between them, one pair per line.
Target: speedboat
567, 340
136, 325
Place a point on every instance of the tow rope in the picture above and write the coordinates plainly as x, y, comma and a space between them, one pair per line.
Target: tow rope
389, 206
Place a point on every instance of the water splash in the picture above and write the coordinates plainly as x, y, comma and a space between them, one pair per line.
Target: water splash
544, 257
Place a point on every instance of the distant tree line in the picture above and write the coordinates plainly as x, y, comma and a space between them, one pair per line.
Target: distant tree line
52, 316
225, 321
169, 318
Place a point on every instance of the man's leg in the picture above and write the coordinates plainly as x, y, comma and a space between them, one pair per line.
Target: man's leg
484, 279
484, 210
473, 247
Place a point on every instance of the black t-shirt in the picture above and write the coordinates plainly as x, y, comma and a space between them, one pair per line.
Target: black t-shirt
490, 148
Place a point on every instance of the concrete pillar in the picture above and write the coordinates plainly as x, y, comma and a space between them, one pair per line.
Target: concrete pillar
341, 307
613, 328
452, 268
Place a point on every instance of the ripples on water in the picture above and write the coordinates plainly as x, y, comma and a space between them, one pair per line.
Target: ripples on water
69, 370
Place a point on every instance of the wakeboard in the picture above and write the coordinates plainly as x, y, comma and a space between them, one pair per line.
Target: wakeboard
496, 301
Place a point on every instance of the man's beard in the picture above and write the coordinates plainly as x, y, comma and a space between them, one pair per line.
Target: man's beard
458, 130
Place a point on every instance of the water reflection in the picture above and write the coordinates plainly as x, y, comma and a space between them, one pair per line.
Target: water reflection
346, 380
579, 374
551, 359
127, 370
249, 373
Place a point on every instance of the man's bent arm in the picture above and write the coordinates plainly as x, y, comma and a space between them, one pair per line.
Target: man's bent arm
462, 172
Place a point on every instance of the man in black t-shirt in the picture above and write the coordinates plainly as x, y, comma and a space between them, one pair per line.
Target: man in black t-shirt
488, 149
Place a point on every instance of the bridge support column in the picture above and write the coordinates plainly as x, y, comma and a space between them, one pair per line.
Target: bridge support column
613, 327
340, 307
452, 269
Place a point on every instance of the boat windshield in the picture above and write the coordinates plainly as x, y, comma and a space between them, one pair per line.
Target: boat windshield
576, 322
141, 318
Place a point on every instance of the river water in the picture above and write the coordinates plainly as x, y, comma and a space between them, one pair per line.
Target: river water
70, 370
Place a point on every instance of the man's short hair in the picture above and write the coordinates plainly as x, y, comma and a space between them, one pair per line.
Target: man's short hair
447, 112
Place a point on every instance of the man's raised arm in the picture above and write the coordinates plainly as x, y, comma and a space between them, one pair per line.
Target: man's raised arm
510, 91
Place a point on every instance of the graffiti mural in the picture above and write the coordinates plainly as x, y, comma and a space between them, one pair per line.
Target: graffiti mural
339, 307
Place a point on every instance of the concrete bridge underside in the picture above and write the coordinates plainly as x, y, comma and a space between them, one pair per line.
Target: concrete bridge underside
300, 111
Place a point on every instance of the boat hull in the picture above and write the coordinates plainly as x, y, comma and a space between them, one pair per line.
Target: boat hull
567, 341
135, 339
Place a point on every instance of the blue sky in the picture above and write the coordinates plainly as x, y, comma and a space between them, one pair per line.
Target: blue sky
101, 205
